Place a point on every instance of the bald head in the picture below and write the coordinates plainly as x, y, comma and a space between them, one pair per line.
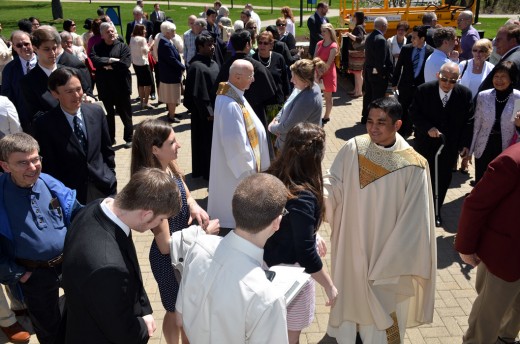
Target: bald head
241, 74
450, 67
381, 24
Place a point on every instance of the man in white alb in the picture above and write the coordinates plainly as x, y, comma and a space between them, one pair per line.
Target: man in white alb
379, 206
239, 146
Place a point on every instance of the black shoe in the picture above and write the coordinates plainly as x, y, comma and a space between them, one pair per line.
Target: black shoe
438, 221
179, 116
128, 144
153, 97
173, 119
472, 182
325, 120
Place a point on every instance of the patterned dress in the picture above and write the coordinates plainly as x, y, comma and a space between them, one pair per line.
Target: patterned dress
161, 264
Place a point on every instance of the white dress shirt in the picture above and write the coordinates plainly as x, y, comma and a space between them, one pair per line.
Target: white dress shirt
225, 297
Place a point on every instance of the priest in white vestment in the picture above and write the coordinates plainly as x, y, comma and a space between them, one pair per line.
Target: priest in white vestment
239, 146
379, 205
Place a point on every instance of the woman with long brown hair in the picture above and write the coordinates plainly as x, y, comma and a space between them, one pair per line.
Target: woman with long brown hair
155, 145
295, 243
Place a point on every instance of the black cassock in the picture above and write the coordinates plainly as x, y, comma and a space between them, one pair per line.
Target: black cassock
202, 73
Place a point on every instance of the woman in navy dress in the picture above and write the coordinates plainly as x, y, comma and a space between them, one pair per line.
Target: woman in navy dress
154, 145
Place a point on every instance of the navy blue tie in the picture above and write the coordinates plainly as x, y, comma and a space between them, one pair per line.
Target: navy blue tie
415, 62
80, 134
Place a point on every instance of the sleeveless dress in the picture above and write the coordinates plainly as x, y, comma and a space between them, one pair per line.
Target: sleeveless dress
329, 77
161, 264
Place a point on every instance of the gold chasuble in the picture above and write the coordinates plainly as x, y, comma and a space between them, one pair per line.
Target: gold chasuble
375, 163
225, 90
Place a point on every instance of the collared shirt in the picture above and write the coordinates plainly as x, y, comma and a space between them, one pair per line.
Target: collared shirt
247, 309
47, 70
433, 64
70, 119
189, 46
36, 221
32, 63
442, 93
110, 214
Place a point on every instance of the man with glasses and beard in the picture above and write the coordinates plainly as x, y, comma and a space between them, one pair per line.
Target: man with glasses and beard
443, 107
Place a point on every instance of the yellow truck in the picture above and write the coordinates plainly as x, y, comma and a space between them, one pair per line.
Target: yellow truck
447, 12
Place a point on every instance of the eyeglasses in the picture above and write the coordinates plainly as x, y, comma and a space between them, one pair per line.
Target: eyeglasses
263, 43
280, 25
285, 212
444, 79
24, 164
21, 45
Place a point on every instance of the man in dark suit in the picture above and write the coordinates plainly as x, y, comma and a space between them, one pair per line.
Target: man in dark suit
36, 94
157, 15
112, 60
138, 19
429, 20
488, 239
74, 140
314, 24
14, 72
409, 73
507, 43
67, 59
378, 65
106, 299
443, 107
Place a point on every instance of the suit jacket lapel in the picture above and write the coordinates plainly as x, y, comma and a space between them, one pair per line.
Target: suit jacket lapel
92, 133
509, 53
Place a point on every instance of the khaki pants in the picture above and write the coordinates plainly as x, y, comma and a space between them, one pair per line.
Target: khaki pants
496, 310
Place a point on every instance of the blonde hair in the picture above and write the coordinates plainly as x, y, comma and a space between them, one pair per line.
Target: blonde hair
484, 44
306, 69
331, 30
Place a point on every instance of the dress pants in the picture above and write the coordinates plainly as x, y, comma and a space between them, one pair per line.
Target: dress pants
375, 88
41, 295
496, 310
122, 105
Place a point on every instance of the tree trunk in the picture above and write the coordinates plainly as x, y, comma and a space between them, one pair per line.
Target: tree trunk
57, 10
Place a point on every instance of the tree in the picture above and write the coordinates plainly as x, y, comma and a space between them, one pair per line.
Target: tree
57, 10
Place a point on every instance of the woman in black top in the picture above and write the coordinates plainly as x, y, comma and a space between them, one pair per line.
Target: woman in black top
295, 243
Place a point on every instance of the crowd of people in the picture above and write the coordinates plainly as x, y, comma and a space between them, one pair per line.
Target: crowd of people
257, 108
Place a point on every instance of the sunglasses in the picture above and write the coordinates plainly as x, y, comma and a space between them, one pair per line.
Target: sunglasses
444, 79
263, 43
21, 45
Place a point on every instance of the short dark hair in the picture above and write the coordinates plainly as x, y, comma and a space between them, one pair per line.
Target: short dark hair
428, 18
100, 12
513, 31
321, 5
508, 67
403, 24
257, 201
39, 36
389, 105
61, 76
150, 189
210, 11
443, 33
246, 12
273, 30
239, 40
25, 25
421, 30
202, 39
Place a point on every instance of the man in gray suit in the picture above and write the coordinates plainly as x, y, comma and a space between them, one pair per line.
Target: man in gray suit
157, 15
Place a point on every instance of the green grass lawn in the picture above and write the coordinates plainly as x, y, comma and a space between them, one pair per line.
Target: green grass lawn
12, 11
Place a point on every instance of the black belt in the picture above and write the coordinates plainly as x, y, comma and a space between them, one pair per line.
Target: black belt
33, 264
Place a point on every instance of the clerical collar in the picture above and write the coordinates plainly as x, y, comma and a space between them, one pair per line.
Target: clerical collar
388, 146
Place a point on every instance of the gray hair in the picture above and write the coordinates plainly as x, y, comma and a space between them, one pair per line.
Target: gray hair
65, 35
238, 25
137, 9
201, 22
19, 33
167, 27
379, 22
105, 26
428, 18
223, 11
17, 143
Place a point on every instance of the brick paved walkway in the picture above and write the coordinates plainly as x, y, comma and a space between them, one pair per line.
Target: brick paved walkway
455, 282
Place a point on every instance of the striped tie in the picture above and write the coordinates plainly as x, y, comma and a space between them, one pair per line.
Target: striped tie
415, 62
80, 134
445, 100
